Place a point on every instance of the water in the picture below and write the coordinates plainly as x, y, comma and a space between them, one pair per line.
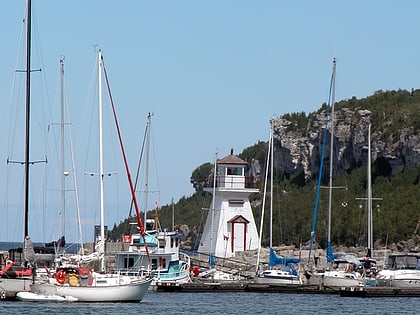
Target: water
226, 303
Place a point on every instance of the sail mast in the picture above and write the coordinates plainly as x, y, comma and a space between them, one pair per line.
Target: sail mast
331, 153
28, 105
271, 182
63, 174
101, 166
369, 198
263, 201
213, 251
146, 185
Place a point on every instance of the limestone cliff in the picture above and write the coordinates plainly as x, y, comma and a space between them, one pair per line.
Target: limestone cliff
299, 149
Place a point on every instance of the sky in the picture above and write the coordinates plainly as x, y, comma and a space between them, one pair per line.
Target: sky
212, 73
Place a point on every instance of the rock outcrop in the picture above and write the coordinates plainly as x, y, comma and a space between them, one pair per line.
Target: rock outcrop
300, 150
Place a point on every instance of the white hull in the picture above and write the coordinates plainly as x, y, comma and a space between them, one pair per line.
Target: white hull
277, 277
9, 287
334, 279
110, 291
170, 280
277, 281
399, 278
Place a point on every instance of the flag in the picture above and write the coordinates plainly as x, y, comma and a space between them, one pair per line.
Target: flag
127, 239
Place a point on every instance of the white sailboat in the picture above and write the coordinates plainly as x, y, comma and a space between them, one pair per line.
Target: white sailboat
74, 279
368, 264
18, 278
281, 270
339, 272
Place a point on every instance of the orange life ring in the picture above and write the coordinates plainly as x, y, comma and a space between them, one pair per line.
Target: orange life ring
60, 276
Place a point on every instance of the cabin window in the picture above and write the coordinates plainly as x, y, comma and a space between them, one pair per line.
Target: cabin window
154, 263
161, 243
128, 262
172, 242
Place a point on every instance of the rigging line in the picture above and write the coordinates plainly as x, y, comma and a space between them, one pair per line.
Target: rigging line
127, 227
133, 194
318, 189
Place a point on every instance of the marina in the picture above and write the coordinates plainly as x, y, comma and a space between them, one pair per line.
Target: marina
224, 253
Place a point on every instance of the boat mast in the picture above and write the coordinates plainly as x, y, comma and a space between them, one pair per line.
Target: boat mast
331, 153
28, 105
271, 182
369, 198
212, 251
101, 166
330, 101
263, 201
63, 173
146, 185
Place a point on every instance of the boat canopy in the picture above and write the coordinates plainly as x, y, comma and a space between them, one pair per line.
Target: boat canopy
275, 260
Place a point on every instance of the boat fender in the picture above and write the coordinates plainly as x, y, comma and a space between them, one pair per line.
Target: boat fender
60, 277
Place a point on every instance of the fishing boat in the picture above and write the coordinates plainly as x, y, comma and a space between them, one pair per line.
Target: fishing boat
280, 270
72, 278
339, 272
169, 267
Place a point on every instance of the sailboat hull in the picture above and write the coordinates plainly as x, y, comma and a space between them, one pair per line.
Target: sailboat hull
106, 290
277, 277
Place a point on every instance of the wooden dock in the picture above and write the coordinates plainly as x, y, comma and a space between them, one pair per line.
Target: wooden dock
379, 292
244, 286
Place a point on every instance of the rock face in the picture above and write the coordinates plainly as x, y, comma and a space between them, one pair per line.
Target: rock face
300, 150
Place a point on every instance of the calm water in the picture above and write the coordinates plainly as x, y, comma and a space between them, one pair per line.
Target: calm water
227, 303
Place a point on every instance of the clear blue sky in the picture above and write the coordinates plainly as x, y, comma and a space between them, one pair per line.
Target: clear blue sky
212, 72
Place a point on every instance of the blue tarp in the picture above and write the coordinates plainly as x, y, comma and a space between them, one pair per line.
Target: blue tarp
285, 261
330, 255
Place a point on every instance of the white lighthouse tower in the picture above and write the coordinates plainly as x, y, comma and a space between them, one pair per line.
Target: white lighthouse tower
230, 225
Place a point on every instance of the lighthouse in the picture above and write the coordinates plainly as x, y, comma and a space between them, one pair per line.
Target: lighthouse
230, 225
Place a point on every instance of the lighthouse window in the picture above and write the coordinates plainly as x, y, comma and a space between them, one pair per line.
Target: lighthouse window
234, 171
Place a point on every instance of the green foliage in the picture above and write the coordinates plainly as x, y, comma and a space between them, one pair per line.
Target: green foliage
257, 152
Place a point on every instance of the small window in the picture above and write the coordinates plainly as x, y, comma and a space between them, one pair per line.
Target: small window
128, 262
161, 243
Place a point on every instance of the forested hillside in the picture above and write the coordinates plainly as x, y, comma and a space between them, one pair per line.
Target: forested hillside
395, 217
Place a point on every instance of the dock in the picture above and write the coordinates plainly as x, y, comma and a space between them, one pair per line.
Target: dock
372, 292
249, 286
